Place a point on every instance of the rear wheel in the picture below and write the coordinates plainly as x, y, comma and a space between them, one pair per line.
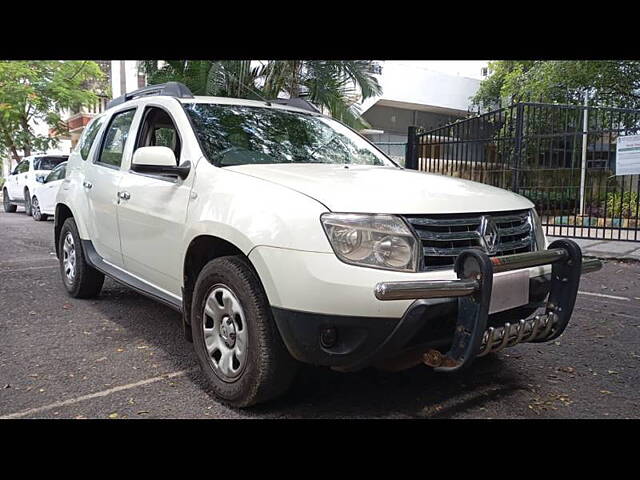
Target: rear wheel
36, 213
27, 202
80, 279
235, 337
8, 206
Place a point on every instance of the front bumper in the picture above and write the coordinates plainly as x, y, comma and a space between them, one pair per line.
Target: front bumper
443, 313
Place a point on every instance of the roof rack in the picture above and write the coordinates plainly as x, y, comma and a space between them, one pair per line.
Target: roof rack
170, 89
298, 103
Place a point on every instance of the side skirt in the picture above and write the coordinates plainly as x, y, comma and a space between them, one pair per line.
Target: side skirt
95, 260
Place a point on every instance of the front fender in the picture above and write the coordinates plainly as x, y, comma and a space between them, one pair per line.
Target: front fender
247, 212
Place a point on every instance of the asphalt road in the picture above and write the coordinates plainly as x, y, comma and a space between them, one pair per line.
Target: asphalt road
122, 355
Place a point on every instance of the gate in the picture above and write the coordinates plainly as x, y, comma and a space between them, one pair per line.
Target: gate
561, 157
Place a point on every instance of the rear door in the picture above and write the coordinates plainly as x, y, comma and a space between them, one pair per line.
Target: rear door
18, 181
101, 183
46, 192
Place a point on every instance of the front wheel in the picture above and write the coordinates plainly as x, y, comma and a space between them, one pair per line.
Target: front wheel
36, 213
8, 206
235, 337
80, 279
27, 202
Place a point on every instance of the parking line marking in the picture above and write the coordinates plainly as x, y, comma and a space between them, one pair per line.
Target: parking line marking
90, 396
614, 314
27, 268
605, 296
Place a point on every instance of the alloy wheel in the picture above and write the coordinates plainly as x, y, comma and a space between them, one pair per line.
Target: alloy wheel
35, 208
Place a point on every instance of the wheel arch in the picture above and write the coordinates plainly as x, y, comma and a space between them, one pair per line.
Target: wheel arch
63, 211
201, 250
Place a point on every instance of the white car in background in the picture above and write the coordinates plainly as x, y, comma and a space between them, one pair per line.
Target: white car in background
43, 201
19, 186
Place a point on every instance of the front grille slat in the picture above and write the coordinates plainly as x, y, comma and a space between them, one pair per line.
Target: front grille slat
524, 228
445, 236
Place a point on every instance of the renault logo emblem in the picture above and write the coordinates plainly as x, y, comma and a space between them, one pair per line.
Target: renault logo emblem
489, 235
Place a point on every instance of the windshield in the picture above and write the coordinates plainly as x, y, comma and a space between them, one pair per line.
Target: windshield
239, 135
47, 163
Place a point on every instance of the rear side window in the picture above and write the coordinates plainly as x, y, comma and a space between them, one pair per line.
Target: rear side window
47, 163
115, 138
89, 137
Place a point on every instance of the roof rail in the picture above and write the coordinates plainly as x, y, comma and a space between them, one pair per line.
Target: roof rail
298, 103
171, 89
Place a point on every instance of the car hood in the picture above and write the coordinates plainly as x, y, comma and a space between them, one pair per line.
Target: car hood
372, 189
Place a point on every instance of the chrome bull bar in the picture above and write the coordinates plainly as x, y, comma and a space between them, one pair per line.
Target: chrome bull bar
473, 287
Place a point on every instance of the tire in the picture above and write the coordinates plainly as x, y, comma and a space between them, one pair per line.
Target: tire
86, 281
6, 203
265, 370
27, 202
37, 215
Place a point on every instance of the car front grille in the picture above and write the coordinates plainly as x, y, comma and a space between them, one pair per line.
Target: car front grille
445, 236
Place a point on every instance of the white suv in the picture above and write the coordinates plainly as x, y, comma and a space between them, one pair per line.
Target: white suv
20, 185
283, 237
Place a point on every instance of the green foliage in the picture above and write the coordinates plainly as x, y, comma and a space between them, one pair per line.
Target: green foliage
624, 205
38, 91
563, 81
333, 85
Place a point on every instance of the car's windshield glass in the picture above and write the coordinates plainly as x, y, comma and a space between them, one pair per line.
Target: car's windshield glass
240, 135
47, 163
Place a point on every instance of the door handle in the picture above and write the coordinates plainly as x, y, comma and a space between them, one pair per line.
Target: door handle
124, 195
86, 184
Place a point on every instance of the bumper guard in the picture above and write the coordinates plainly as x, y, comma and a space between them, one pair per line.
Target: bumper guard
475, 271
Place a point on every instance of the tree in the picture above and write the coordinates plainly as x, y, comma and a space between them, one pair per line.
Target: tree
333, 85
613, 82
33, 91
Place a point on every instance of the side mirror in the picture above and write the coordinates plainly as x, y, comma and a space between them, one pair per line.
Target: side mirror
158, 160
40, 178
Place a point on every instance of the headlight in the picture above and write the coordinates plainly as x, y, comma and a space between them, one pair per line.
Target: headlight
538, 231
379, 241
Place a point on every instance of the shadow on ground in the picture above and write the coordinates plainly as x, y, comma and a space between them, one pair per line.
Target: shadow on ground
321, 392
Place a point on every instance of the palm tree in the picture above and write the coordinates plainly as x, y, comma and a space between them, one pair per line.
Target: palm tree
335, 86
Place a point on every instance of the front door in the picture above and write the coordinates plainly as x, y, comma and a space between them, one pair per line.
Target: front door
152, 217
101, 184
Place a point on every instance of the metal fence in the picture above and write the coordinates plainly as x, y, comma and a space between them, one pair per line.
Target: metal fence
561, 157
396, 150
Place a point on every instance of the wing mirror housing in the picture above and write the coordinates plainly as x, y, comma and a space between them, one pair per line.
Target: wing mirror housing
159, 160
40, 178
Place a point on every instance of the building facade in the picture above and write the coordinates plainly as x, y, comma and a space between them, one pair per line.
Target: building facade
420, 93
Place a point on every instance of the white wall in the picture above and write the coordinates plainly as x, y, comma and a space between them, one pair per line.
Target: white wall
427, 83
131, 77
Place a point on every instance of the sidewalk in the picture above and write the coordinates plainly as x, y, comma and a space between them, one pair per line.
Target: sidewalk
607, 248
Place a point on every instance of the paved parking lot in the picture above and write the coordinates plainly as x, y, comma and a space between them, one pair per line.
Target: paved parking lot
123, 356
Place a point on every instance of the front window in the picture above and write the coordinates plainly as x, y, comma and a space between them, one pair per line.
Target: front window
239, 135
57, 173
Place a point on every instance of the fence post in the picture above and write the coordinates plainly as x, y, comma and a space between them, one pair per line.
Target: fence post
515, 179
411, 154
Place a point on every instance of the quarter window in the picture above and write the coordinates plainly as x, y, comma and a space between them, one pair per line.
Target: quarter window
89, 136
115, 138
